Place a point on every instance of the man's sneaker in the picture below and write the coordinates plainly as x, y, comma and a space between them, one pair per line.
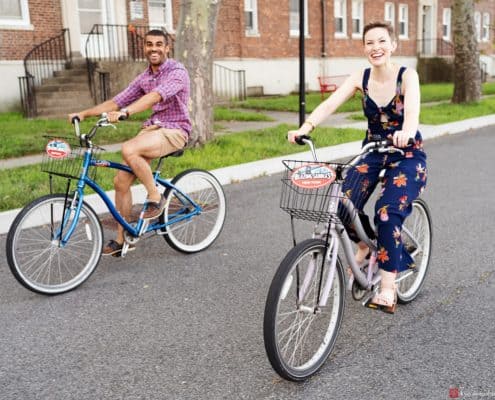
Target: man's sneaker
154, 209
113, 248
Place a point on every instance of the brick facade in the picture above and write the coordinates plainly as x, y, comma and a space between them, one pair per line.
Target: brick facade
46, 19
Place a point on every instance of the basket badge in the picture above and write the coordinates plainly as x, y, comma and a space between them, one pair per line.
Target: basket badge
57, 148
313, 176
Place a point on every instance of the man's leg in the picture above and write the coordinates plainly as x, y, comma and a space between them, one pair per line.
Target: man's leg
150, 144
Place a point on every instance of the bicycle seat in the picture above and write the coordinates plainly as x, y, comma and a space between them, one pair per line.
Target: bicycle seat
177, 153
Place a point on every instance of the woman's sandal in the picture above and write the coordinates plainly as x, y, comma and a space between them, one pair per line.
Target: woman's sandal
386, 299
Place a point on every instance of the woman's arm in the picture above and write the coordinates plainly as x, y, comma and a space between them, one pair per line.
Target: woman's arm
329, 106
412, 105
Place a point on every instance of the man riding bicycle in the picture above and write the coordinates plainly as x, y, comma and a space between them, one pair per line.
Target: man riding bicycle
164, 88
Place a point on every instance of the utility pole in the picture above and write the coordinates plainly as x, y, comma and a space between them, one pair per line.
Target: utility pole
302, 84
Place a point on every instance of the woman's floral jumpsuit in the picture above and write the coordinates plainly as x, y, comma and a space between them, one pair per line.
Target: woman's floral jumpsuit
404, 180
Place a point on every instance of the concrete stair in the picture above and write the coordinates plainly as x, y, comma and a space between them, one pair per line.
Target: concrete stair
66, 92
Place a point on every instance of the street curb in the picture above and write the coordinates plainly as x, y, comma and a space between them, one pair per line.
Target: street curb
246, 171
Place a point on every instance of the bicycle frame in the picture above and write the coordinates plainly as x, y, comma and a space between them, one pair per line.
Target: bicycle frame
141, 226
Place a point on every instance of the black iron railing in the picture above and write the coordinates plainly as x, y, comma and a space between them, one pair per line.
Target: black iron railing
228, 84
41, 62
114, 43
435, 48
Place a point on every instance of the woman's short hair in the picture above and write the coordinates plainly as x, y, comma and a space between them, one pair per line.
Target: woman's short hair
384, 25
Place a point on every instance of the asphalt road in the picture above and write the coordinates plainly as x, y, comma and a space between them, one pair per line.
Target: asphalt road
162, 325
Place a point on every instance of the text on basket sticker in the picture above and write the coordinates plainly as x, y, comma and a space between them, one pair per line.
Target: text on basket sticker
313, 176
57, 148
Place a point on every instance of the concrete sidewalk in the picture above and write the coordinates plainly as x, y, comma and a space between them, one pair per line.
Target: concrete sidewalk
263, 167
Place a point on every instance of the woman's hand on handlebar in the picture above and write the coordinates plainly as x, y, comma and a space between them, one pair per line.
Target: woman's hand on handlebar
302, 131
401, 139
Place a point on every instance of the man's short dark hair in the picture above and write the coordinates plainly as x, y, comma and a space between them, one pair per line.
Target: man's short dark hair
158, 32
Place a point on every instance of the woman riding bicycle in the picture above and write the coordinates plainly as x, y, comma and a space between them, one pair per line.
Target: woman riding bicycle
391, 103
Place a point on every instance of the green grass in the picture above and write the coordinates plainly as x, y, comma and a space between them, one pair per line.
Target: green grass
19, 186
21, 136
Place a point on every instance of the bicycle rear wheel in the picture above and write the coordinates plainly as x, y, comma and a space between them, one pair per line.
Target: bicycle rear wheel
299, 335
417, 237
34, 254
193, 232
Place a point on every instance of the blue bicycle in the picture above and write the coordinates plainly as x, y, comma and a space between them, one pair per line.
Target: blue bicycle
55, 242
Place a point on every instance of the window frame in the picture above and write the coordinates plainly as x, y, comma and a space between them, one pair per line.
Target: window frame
295, 32
391, 20
485, 27
477, 25
359, 16
342, 7
168, 24
447, 24
23, 22
251, 31
404, 35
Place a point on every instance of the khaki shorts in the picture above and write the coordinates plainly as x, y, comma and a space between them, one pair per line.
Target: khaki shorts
173, 139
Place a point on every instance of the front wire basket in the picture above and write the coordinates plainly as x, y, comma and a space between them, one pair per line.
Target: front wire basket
313, 203
64, 157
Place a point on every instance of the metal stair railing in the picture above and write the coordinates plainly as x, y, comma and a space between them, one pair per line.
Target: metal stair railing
40, 63
228, 84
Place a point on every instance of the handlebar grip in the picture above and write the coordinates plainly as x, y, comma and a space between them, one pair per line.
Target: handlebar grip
74, 119
123, 117
299, 139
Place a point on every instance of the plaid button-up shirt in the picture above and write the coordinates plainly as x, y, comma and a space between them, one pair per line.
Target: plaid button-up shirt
171, 81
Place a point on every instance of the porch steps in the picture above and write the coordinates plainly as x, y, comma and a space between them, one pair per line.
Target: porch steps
66, 92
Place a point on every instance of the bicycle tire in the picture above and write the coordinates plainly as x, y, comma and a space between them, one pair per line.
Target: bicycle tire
419, 224
195, 233
310, 349
33, 253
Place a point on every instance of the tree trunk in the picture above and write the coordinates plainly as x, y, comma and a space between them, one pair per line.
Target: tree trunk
467, 72
194, 48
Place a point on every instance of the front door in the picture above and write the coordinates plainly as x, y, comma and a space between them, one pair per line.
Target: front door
428, 41
95, 42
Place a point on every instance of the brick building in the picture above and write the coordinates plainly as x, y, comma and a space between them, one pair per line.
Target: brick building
260, 37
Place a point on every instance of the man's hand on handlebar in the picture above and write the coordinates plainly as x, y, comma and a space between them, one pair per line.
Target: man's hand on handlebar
116, 116
79, 116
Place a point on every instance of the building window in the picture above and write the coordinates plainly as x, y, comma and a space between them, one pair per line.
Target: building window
357, 18
90, 13
485, 30
446, 23
403, 21
390, 14
251, 16
294, 17
477, 25
14, 13
340, 15
160, 14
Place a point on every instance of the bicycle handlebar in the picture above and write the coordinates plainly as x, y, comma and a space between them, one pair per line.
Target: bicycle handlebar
102, 122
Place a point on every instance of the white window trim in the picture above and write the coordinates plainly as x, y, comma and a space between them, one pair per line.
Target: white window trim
360, 16
169, 20
295, 32
477, 25
447, 23
24, 22
485, 23
341, 35
392, 8
254, 31
406, 21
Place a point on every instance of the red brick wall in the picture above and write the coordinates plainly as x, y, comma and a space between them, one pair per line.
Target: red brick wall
46, 18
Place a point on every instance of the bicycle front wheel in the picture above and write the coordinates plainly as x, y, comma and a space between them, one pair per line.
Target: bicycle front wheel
417, 238
300, 334
35, 254
189, 231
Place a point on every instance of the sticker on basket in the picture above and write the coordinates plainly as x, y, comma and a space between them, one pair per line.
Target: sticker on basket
57, 148
313, 176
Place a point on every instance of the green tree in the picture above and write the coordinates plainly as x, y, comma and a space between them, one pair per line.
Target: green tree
467, 72
194, 47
